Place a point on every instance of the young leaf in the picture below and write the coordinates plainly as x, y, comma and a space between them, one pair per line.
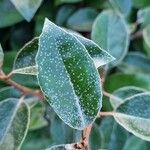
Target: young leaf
107, 24
1, 56
120, 95
134, 115
135, 62
82, 19
68, 77
27, 8
14, 118
25, 60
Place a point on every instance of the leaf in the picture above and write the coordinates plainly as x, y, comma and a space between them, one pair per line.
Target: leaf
37, 119
62, 60
57, 126
58, 2
135, 62
99, 56
102, 34
143, 16
96, 138
121, 94
25, 60
62, 147
134, 115
106, 127
1, 56
140, 3
116, 143
140, 144
123, 6
63, 14
14, 118
8, 92
27, 8
119, 80
82, 19
146, 36
37, 140
111, 132
11, 15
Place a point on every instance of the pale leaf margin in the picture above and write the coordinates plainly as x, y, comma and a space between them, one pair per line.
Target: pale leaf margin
120, 118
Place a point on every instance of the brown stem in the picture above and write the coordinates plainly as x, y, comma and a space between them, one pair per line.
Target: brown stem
136, 35
23, 89
106, 113
84, 142
111, 96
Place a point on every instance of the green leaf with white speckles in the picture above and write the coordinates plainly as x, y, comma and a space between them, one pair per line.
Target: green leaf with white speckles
25, 60
121, 94
100, 56
134, 115
106, 25
1, 56
14, 118
27, 8
68, 77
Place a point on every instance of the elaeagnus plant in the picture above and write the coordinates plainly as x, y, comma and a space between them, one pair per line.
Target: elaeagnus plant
81, 81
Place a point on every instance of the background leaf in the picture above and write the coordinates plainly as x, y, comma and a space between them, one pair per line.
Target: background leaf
106, 25
133, 112
121, 94
123, 6
82, 19
27, 8
25, 60
119, 80
1, 56
8, 92
11, 15
135, 62
140, 144
14, 123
